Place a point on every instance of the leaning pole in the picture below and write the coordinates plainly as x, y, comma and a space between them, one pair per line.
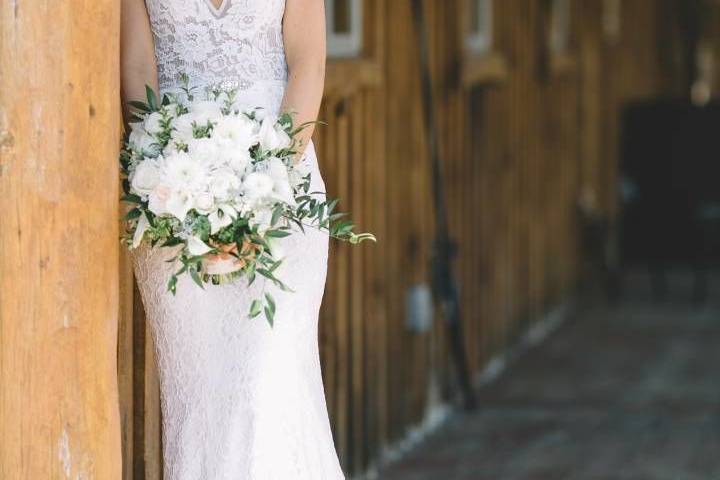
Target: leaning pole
59, 117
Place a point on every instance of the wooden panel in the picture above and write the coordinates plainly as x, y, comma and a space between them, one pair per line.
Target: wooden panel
59, 240
517, 151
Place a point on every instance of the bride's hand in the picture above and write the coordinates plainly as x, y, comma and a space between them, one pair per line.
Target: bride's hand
230, 252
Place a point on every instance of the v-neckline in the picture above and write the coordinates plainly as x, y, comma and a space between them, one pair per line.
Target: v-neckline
217, 11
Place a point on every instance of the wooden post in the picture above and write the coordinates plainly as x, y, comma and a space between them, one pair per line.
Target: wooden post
59, 112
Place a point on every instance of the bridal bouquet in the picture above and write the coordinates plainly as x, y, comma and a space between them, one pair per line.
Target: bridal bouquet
219, 183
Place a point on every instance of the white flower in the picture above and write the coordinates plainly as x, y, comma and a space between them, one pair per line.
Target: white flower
179, 203
237, 159
272, 136
224, 183
197, 247
205, 111
204, 203
153, 123
238, 129
183, 129
143, 141
142, 226
282, 188
258, 185
262, 219
204, 150
221, 218
146, 176
157, 200
296, 178
182, 172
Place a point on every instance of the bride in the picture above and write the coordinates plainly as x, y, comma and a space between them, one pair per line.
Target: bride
240, 400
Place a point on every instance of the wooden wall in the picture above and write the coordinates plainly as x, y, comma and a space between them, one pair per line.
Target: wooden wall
523, 133
59, 81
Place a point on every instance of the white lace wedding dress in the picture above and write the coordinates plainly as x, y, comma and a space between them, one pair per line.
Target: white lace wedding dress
240, 400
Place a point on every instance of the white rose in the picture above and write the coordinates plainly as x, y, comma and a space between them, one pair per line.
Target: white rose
258, 185
153, 123
223, 183
157, 200
284, 192
205, 111
204, 203
146, 176
143, 141
272, 136
182, 172
204, 150
236, 159
183, 129
239, 129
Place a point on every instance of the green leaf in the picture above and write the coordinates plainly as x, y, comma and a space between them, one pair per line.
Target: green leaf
276, 215
151, 98
133, 214
331, 205
196, 277
171, 242
139, 105
172, 284
270, 315
270, 303
131, 198
277, 233
255, 308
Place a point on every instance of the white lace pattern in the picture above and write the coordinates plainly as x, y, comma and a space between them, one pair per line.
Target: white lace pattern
240, 400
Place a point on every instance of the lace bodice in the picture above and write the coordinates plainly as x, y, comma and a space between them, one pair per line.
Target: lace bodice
239, 44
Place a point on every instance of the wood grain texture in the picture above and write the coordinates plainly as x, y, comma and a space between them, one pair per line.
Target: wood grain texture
523, 134
59, 83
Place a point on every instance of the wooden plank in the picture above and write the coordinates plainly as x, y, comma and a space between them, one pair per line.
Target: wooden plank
126, 363
356, 284
58, 240
342, 303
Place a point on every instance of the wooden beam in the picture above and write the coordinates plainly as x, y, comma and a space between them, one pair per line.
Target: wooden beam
59, 112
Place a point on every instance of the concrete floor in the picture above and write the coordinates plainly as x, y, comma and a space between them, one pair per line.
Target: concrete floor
630, 392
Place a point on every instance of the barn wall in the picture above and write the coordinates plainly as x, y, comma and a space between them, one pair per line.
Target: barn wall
523, 133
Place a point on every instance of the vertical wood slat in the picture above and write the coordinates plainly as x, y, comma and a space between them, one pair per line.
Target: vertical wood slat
342, 304
126, 364
58, 240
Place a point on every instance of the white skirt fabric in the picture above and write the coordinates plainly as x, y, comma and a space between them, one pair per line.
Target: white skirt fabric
242, 400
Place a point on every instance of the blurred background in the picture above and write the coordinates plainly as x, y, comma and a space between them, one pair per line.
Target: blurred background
541, 303
579, 159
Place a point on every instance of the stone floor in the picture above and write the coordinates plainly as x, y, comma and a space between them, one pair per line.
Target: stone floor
630, 392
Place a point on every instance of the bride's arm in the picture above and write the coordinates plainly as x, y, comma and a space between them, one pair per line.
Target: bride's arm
304, 37
137, 53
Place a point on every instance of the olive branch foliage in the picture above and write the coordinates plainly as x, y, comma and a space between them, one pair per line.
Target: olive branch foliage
253, 248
